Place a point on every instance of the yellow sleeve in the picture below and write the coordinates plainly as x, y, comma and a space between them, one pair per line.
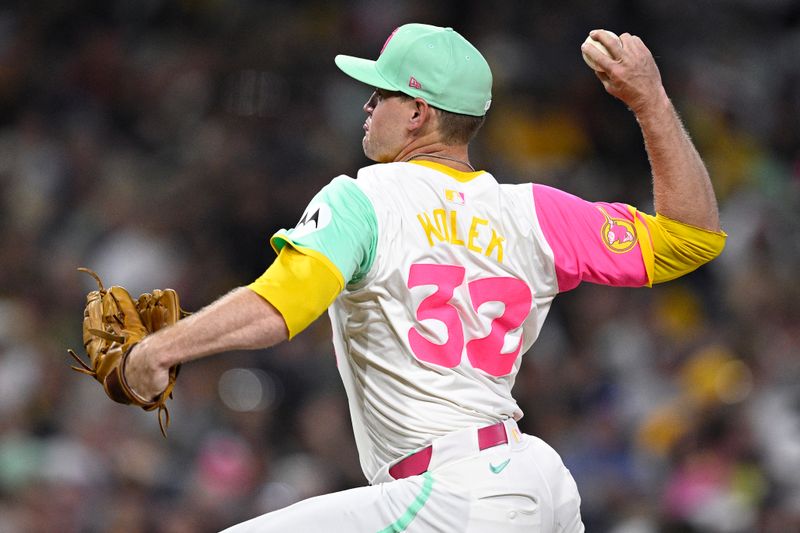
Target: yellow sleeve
300, 286
679, 248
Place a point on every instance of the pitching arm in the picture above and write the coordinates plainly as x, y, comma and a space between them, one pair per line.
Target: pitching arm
616, 244
682, 189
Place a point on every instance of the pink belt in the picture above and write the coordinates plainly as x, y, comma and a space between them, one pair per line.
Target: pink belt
417, 463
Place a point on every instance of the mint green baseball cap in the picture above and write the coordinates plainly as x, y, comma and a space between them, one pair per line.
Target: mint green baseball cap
428, 62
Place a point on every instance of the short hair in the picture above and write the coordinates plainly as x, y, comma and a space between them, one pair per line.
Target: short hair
456, 128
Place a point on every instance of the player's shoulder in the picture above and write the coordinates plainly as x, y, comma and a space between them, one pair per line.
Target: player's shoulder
386, 179
341, 181
341, 187
380, 171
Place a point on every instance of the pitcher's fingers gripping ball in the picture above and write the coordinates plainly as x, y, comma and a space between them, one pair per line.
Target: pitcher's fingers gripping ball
113, 323
626, 68
595, 39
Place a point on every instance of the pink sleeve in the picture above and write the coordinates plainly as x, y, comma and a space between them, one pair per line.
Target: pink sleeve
595, 242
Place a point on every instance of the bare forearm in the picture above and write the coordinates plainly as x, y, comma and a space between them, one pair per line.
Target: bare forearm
682, 189
240, 320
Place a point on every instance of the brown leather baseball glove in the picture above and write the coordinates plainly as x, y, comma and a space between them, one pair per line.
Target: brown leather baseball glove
113, 323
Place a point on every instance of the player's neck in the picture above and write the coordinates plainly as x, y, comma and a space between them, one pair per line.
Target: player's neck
456, 157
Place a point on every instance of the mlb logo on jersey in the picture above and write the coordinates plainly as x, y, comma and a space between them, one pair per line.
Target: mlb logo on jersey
454, 197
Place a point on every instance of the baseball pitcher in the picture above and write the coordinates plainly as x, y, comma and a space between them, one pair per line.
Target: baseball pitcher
437, 279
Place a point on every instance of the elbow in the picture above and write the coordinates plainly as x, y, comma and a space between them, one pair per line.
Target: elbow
717, 250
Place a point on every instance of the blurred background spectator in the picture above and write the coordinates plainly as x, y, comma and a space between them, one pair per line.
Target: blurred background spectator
162, 142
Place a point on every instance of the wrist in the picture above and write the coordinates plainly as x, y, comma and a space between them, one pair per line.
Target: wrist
129, 375
147, 357
653, 109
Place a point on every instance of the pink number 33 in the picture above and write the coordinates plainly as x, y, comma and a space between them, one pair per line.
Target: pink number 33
483, 353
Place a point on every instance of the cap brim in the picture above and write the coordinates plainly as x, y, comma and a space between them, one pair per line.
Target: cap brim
363, 70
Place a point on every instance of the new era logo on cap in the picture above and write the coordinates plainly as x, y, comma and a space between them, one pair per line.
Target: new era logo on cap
414, 84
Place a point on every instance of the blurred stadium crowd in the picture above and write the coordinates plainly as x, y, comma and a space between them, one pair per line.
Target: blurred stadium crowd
162, 142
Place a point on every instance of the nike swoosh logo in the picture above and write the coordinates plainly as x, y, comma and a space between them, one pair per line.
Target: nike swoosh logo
499, 468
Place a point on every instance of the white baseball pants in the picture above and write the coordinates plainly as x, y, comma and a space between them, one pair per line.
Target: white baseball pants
522, 486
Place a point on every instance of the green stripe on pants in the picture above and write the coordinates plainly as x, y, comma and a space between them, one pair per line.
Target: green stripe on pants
416, 506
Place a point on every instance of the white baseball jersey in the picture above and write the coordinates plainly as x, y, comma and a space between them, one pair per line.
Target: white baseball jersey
449, 277
429, 341
446, 278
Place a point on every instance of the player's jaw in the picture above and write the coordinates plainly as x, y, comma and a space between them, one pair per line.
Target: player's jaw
383, 137
375, 146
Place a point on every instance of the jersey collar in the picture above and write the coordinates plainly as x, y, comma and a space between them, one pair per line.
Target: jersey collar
458, 175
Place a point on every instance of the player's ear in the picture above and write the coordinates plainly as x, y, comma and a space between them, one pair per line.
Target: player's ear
422, 114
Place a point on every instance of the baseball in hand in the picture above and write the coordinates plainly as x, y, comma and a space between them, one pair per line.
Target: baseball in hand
599, 46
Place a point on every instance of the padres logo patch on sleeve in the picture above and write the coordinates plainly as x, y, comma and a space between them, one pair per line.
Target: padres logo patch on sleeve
618, 234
